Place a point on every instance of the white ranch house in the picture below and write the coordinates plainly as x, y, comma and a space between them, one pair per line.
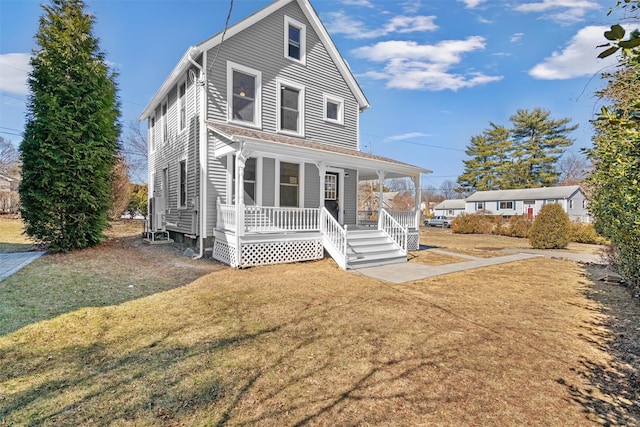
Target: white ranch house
450, 208
254, 150
529, 201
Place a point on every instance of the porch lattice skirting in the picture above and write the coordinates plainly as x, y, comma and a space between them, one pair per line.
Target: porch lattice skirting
266, 253
413, 240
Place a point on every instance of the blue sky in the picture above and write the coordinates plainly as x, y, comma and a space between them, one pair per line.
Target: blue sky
436, 72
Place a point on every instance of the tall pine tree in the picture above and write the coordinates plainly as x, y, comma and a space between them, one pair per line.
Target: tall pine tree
71, 134
524, 156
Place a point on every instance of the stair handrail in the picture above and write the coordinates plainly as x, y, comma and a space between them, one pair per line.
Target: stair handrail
396, 231
334, 236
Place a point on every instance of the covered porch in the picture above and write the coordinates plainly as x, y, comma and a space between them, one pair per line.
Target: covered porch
313, 207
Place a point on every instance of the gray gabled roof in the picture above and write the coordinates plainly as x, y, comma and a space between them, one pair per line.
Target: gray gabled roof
451, 204
542, 193
194, 51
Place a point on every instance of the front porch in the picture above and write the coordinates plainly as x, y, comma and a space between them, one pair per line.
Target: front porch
274, 235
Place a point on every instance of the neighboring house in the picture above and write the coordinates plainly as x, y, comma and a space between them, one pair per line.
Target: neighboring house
254, 149
450, 208
529, 202
8, 183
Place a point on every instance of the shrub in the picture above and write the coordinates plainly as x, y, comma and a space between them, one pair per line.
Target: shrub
586, 233
519, 226
472, 224
551, 228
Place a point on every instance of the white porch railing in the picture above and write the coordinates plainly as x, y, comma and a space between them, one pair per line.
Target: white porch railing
408, 219
260, 219
367, 218
226, 216
392, 228
334, 237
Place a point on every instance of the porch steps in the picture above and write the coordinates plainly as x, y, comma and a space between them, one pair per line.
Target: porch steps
368, 248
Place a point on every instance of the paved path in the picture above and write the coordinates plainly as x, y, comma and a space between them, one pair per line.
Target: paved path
10, 263
412, 271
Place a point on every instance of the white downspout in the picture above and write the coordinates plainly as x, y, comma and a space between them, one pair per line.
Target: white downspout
202, 83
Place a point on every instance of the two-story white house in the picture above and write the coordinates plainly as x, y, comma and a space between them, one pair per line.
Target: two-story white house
254, 149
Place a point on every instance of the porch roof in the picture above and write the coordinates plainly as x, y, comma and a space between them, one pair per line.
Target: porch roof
336, 156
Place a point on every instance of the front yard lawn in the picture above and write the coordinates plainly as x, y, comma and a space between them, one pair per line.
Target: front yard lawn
127, 334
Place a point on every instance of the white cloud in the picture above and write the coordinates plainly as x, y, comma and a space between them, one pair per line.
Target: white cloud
14, 68
470, 4
409, 65
516, 37
339, 23
562, 11
404, 136
364, 3
578, 58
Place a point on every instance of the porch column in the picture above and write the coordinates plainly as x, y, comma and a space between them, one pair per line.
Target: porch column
381, 175
417, 183
240, 164
322, 171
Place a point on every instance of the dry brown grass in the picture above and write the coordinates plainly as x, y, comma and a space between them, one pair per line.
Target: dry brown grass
12, 238
312, 344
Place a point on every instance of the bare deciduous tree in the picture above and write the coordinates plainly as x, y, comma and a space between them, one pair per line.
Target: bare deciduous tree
135, 151
9, 157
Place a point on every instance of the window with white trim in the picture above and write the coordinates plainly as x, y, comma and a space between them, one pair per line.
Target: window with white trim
165, 124
244, 94
505, 205
333, 109
289, 184
584, 204
182, 105
290, 108
182, 184
479, 206
330, 186
152, 133
570, 203
295, 35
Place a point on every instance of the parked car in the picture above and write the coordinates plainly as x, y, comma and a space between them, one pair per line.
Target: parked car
438, 221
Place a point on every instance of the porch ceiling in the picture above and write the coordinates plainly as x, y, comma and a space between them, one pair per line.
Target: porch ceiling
278, 145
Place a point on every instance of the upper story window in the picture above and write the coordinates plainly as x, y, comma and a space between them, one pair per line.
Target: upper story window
182, 105
333, 109
152, 134
290, 108
243, 94
295, 34
165, 124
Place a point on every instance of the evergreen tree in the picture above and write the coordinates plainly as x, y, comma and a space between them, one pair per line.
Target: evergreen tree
522, 157
615, 201
538, 143
71, 133
488, 153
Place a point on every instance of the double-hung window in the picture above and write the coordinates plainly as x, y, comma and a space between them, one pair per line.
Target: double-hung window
182, 184
165, 124
152, 134
290, 108
244, 95
289, 184
505, 205
295, 34
182, 105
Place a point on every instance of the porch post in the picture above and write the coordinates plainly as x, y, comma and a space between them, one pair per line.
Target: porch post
240, 163
381, 175
322, 171
417, 183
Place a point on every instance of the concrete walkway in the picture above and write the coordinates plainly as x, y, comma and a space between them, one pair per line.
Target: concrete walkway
412, 271
10, 263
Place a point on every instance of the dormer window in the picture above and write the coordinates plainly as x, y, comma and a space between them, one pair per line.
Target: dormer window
243, 93
295, 40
